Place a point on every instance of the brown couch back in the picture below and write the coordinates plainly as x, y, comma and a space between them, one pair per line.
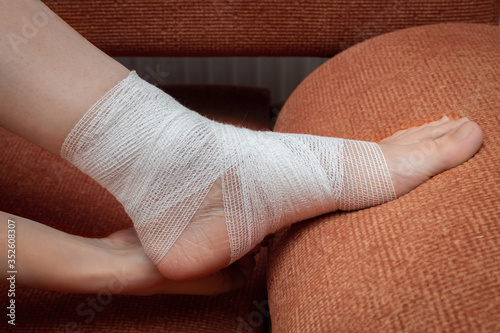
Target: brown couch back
255, 27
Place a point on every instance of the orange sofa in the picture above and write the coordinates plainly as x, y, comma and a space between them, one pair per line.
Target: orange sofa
426, 262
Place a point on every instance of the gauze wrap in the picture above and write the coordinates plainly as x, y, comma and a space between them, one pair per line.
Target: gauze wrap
160, 159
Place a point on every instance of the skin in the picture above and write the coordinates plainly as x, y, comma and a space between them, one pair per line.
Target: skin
50, 78
90, 265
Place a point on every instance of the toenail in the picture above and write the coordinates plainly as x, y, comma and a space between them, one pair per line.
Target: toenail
464, 131
464, 119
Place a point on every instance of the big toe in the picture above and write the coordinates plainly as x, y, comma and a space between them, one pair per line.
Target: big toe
459, 146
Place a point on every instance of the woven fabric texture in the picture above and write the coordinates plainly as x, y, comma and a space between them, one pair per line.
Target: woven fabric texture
428, 261
43, 187
254, 27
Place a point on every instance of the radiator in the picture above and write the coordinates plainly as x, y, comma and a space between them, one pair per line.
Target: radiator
278, 74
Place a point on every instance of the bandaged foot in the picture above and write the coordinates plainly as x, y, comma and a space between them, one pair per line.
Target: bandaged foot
202, 194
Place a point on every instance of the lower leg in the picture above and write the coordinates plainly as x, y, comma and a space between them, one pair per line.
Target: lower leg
50, 74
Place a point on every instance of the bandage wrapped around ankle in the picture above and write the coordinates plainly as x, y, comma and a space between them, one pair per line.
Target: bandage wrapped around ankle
160, 160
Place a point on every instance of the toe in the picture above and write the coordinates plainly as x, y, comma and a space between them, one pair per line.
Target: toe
440, 121
438, 130
431, 132
426, 126
459, 145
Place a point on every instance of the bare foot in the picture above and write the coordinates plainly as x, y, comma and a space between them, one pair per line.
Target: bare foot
413, 157
416, 154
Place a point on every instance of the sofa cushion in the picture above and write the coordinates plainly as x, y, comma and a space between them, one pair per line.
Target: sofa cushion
428, 261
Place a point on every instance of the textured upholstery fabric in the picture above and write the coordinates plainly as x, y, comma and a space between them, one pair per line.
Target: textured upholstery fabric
43, 187
428, 261
254, 27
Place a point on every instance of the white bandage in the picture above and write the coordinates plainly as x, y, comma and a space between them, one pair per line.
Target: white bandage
160, 159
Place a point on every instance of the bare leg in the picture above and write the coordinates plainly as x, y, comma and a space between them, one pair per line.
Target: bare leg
50, 78
50, 81
116, 263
